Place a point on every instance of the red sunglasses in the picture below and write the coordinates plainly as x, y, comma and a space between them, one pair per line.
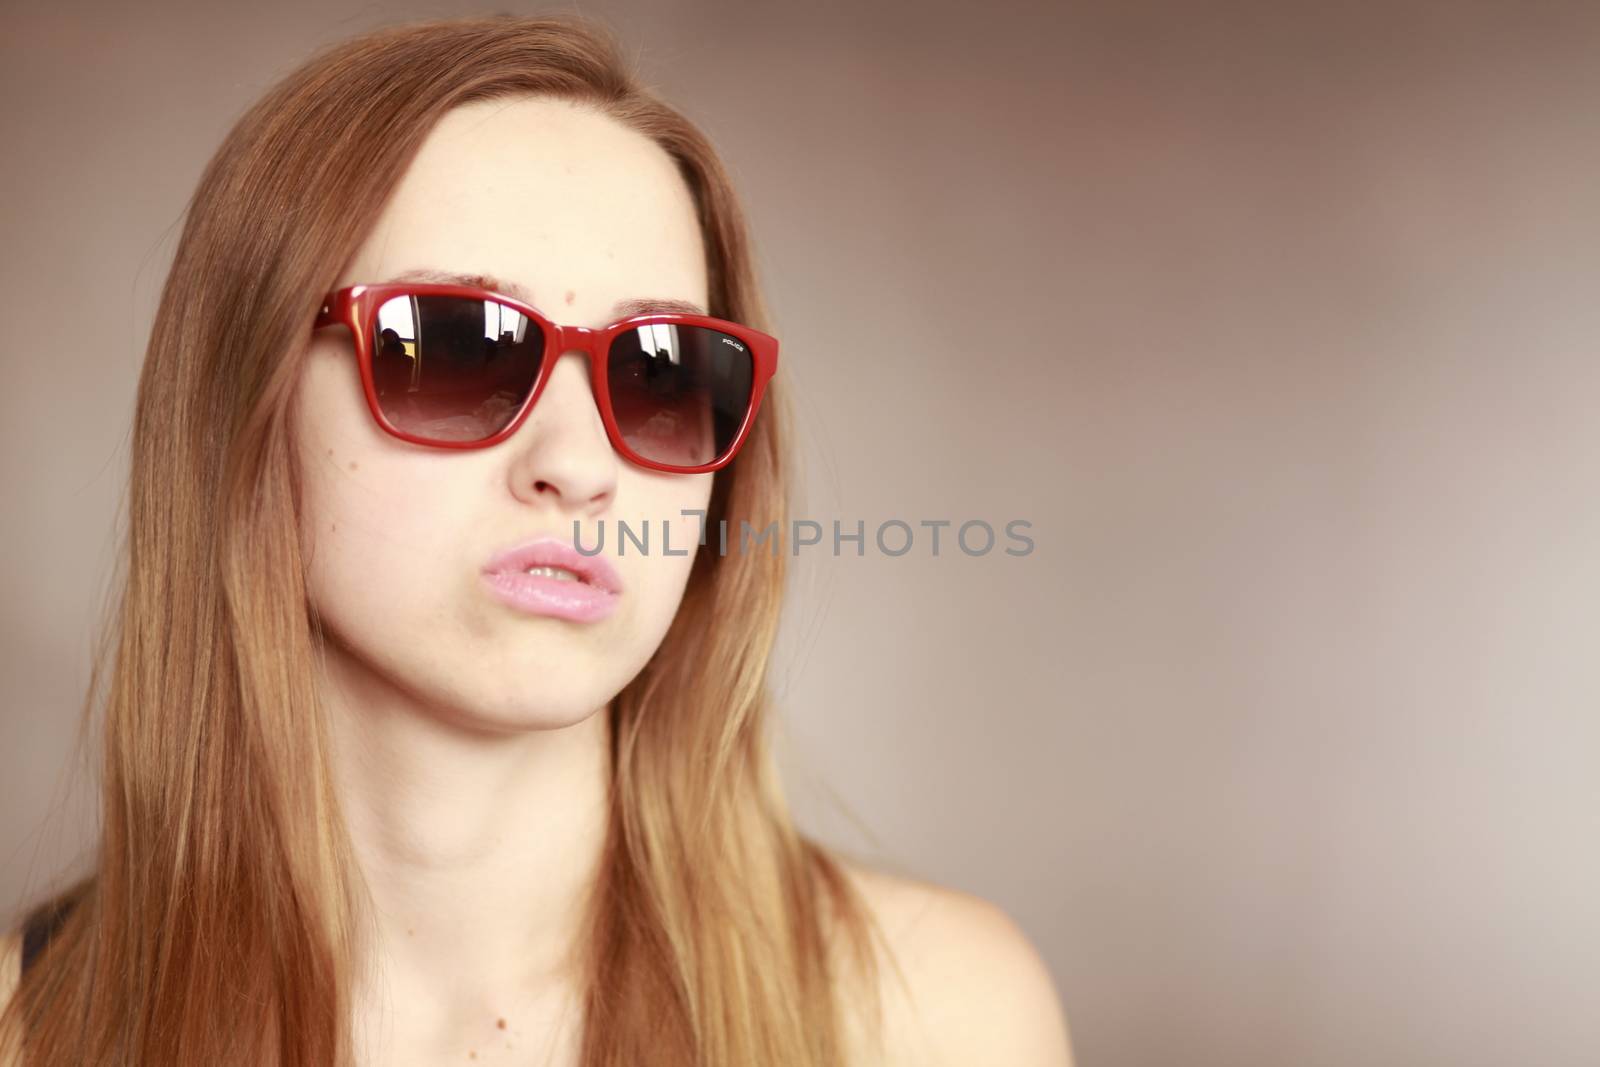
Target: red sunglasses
451, 366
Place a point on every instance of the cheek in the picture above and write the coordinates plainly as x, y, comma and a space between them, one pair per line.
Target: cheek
660, 503
379, 559
655, 578
660, 580
378, 520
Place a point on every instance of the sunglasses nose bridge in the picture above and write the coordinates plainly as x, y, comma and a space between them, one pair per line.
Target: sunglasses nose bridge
583, 341
576, 339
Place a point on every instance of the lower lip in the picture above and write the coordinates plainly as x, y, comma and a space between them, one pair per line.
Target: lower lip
555, 597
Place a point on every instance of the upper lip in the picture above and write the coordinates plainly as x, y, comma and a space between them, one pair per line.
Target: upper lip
547, 550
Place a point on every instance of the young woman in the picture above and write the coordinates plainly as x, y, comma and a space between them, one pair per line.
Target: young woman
397, 768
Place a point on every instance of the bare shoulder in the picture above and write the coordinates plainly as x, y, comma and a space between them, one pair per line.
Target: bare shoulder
975, 989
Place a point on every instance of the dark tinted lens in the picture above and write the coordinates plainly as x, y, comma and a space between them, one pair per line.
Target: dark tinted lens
679, 393
448, 368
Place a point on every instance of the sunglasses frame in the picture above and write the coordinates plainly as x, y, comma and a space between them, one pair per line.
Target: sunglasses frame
356, 307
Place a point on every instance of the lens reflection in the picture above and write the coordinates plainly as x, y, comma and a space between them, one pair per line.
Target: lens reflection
450, 368
679, 393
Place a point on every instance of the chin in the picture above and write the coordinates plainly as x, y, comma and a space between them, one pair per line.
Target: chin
546, 711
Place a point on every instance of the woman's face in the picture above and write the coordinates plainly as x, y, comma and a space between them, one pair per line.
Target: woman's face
582, 213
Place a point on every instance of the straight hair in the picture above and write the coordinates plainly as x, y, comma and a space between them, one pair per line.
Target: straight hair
217, 924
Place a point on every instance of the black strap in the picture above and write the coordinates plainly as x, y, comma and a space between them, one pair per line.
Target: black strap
40, 927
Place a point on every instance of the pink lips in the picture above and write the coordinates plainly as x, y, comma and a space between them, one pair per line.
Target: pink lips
591, 598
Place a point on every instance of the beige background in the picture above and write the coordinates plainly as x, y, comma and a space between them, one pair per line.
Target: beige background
1277, 321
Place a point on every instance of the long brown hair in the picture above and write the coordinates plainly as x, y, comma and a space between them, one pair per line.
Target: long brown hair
217, 924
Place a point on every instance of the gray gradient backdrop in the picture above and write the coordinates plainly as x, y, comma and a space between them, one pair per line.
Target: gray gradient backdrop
1277, 321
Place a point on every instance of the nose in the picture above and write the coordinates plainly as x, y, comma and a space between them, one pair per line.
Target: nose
562, 454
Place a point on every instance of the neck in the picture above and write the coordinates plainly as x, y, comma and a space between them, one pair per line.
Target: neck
478, 849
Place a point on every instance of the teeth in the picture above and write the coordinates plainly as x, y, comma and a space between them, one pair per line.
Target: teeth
558, 573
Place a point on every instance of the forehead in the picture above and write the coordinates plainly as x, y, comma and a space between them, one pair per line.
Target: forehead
569, 204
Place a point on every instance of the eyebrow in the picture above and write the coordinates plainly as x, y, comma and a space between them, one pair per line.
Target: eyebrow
621, 309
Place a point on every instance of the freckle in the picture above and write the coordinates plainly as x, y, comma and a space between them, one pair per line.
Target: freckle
501, 1023
570, 296
330, 451
352, 464
409, 931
